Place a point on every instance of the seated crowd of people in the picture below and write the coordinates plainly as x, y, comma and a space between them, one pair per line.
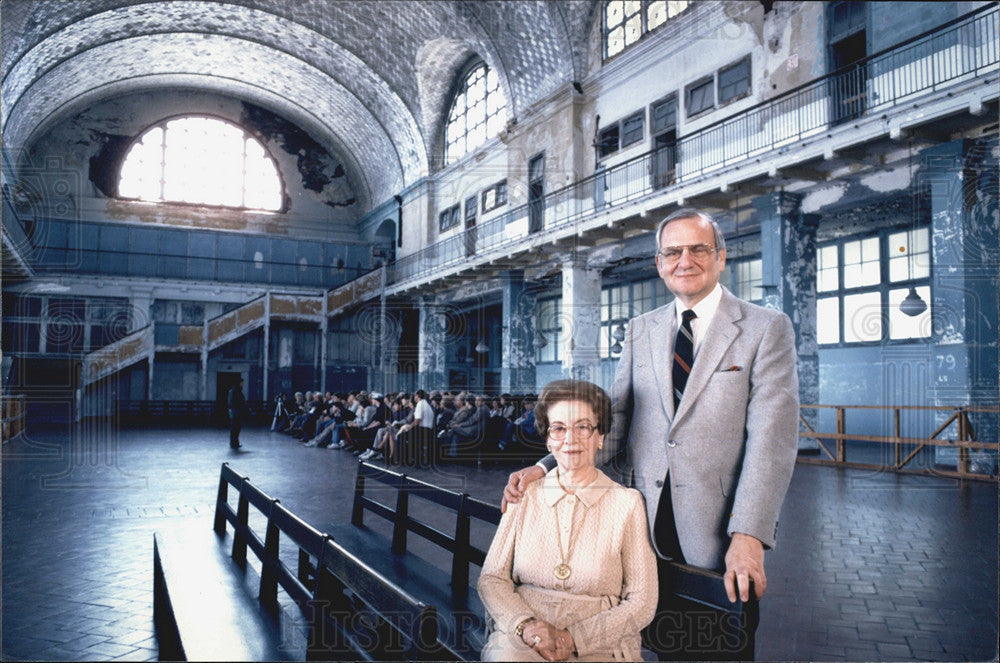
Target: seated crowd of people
412, 427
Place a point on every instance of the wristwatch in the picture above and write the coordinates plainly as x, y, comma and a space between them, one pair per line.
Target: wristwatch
519, 629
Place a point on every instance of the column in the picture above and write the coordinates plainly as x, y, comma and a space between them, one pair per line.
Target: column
581, 320
266, 343
964, 261
432, 355
517, 356
788, 255
390, 332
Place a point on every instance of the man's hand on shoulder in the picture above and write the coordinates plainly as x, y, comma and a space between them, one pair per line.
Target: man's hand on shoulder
517, 483
744, 562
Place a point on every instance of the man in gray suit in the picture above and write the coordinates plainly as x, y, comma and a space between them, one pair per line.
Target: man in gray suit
707, 406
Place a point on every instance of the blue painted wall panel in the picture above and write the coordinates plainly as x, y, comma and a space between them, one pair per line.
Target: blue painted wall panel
201, 249
229, 265
143, 251
283, 261
97, 248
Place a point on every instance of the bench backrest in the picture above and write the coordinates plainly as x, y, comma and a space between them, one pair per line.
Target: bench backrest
330, 586
457, 542
402, 627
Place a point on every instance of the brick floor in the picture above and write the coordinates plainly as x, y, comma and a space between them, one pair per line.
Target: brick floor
869, 566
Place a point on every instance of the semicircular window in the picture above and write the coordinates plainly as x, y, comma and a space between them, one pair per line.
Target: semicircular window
201, 160
478, 112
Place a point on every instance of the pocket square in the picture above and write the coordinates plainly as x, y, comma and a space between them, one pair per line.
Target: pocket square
731, 369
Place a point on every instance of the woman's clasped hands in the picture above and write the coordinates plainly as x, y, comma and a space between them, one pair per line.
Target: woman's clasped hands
550, 643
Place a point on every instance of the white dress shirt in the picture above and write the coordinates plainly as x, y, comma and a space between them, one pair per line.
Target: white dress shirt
705, 311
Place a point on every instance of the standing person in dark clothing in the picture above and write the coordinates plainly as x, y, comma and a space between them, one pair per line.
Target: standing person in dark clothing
237, 411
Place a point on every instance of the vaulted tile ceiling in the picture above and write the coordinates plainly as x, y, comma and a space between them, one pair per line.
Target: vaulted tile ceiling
370, 79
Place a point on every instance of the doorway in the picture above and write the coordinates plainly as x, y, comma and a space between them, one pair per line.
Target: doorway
848, 46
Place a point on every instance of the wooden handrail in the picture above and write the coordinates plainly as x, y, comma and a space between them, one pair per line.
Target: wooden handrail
965, 441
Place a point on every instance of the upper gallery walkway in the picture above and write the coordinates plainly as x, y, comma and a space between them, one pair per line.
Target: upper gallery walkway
937, 79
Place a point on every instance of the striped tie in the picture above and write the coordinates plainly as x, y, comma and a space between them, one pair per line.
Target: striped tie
683, 355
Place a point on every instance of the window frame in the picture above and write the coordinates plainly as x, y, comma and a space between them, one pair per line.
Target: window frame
248, 136
630, 302
499, 196
884, 288
746, 60
449, 217
611, 139
552, 333
755, 264
459, 91
707, 82
656, 130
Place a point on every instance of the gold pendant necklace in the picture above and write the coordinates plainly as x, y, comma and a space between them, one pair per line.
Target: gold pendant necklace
562, 570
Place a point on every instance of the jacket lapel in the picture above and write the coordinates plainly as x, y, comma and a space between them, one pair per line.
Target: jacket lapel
718, 337
660, 336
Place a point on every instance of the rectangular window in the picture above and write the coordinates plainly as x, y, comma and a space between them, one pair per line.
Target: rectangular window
698, 96
607, 141
495, 196
861, 263
748, 279
471, 209
621, 134
827, 269
632, 129
909, 255
734, 81
828, 320
663, 115
858, 305
863, 317
449, 218
621, 303
549, 329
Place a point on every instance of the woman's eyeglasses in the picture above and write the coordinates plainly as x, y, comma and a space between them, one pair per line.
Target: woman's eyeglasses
581, 431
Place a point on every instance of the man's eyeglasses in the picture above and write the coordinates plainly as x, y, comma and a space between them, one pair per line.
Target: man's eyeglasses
581, 431
697, 251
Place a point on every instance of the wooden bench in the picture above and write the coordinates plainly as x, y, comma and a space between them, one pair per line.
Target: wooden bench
442, 517
209, 604
697, 623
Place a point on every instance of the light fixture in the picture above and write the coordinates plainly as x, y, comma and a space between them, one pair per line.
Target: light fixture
616, 348
618, 333
912, 305
482, 348
539, 341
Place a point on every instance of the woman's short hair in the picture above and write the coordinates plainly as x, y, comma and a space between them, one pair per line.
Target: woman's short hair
573, 390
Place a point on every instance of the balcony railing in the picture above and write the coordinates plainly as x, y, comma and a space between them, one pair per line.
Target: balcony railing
960, 50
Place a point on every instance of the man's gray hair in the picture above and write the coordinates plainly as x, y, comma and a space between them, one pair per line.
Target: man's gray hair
691, 213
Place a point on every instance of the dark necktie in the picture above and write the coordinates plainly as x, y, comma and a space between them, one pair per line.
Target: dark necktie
683, 355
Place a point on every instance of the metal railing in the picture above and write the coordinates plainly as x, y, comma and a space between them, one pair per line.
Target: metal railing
129, 349
960, 423
958, 50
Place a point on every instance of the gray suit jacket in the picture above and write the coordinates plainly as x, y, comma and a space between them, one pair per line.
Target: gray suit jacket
731, 445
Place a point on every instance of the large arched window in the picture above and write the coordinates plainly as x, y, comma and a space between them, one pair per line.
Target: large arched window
201, 160
478, 113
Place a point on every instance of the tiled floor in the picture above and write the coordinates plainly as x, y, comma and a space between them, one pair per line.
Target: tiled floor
870, 566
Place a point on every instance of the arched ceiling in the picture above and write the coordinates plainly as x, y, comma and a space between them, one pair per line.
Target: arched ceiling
365, 79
